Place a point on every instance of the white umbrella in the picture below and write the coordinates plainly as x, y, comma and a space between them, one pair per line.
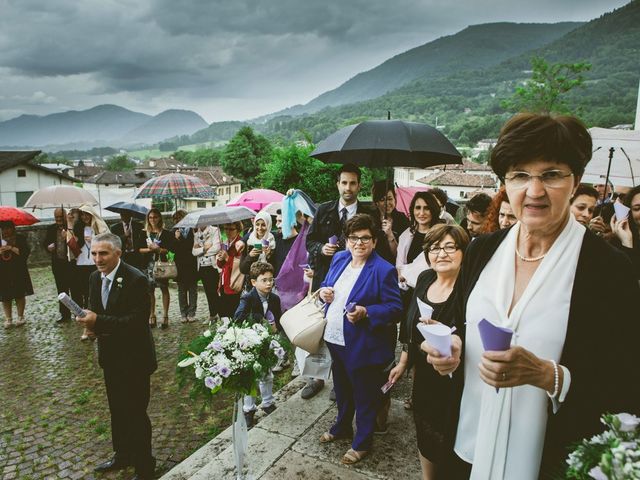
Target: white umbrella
625, 158
56, 196
215, 216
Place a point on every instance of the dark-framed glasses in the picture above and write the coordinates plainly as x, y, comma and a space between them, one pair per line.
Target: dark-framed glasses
449, 248
550, 178
267, 281
364, 240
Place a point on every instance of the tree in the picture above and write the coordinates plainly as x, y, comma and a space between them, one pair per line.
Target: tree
119, 163
548, 84
245, 156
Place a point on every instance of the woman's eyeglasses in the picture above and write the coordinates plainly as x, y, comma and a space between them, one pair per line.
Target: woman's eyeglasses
364, 240
550, 178
448, 249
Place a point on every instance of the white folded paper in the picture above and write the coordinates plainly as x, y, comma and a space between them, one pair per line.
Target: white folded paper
71, 305
622, 211
425, 309
438, 336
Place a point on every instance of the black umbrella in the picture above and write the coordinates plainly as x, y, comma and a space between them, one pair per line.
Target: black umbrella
138, 211
388, 143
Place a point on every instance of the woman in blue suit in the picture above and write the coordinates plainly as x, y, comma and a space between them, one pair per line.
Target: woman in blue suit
361, 290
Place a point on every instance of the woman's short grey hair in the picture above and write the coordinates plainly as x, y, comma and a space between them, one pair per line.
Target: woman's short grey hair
110, 238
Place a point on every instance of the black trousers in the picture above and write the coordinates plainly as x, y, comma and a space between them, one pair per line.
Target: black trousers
210, 278
80, 284
128, 394
63, 275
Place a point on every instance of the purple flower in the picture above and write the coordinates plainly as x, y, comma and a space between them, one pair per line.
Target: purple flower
216, 345
224, 371
279, 352
212, 382
597, 474
274, 344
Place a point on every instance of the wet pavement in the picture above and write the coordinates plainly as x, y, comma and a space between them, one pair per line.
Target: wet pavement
54, 417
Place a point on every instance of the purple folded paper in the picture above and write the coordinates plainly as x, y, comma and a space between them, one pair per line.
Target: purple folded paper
350, 307
495, 339
304, 265
333, 240
265, 242
269, 317
225, 247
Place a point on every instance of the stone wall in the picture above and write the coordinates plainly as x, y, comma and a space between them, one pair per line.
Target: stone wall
35, 236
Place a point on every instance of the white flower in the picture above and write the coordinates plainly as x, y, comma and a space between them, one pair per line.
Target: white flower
207, 333
187, 361
199, 372
628, 422
597, 474
119, 282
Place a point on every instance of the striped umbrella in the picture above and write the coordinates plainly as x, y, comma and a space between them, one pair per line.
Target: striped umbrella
175, 185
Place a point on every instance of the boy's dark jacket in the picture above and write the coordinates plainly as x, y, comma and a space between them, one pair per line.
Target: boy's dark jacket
251, 307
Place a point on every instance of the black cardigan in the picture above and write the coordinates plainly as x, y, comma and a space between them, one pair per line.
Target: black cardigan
602, 316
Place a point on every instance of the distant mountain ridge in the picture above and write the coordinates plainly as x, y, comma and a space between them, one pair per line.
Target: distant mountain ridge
100, 125
477, 46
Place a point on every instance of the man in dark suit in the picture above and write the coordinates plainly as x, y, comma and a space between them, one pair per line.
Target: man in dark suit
55, 242
329, 221
118, 315
130, 232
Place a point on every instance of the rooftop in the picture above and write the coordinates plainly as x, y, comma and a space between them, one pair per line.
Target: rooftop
448, 178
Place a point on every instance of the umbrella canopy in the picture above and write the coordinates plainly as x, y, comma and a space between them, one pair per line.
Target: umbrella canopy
175, 185
625, 162
404, 195
138, 211
388, 143
215, 216
60, 196
256, 199
273, 207
17, 216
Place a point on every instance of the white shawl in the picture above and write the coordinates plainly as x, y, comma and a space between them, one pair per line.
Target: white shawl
502, 434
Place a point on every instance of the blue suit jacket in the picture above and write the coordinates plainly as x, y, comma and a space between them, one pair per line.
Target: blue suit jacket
372, 340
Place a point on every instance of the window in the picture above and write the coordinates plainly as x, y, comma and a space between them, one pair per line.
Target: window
236, 189
22, 197
201, 204
462, 195
22, 172
221, 191
228, 190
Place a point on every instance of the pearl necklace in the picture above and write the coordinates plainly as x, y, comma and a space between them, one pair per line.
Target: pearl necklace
527, 259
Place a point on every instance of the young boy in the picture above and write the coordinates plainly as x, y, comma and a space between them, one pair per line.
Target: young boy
257, 305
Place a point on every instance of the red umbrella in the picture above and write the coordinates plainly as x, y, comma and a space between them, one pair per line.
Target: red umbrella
17, 216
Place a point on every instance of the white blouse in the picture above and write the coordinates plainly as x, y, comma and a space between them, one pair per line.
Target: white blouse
502, 433
334, 331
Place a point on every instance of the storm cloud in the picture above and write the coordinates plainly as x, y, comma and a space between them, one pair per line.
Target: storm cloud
225, 60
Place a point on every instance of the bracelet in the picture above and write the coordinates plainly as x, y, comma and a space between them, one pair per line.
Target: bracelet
555, 379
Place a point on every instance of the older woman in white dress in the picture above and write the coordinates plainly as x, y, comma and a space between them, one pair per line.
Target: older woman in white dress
545, 278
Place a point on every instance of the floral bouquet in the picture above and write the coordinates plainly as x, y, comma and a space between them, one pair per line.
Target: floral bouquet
233, 358
613, 454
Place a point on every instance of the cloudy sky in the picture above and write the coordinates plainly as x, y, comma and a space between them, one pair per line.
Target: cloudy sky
225, 59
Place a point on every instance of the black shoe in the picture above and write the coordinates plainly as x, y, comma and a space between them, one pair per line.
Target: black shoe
269, 409
311, 389
332, 395
110, 465
149, 471
248, 417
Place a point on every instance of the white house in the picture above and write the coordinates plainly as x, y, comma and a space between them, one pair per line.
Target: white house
461, 186
20, 177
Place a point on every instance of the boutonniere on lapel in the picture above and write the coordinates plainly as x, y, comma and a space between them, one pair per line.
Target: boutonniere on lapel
119, 282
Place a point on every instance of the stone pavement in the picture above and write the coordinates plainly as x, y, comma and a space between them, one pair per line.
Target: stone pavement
284, 445
54, 418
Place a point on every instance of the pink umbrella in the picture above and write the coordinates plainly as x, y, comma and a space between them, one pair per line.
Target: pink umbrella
256, 199
404, 195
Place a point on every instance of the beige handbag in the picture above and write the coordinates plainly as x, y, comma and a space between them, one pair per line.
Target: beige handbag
304, 323
236, 282
164, 270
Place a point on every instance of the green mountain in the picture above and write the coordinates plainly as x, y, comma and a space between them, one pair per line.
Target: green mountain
477, 46
466, 103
